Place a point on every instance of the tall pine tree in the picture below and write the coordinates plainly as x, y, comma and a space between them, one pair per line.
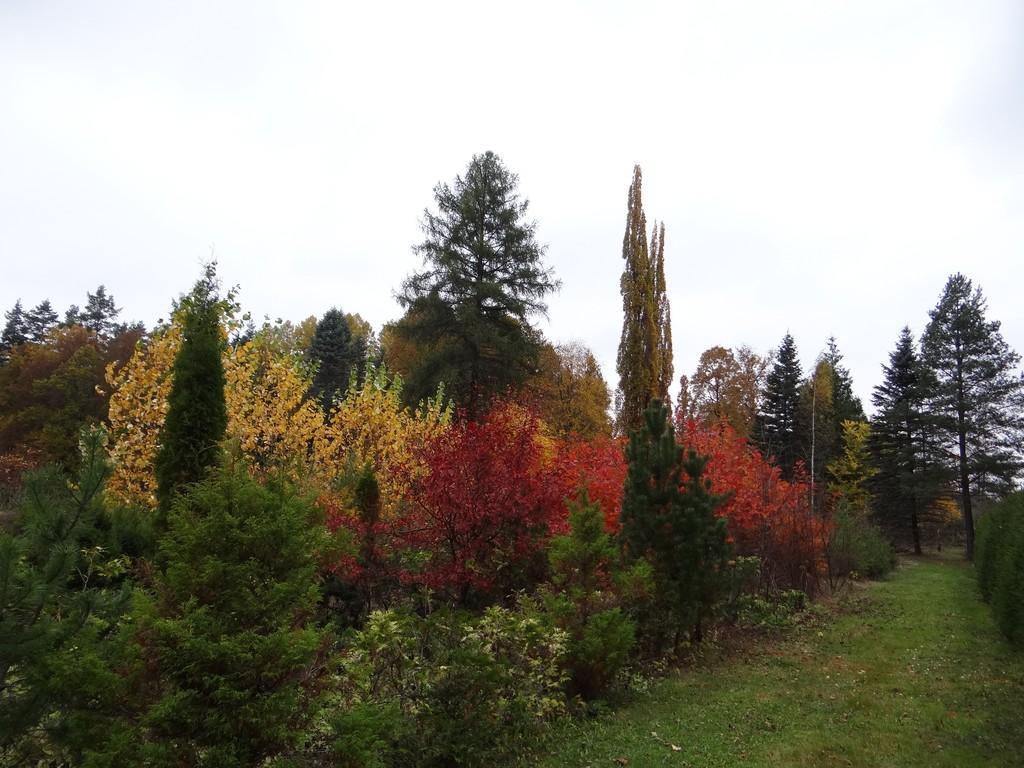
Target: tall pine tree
196, 413
644, 361
776, 424
40, 320
15, 331
484, 279
978, 397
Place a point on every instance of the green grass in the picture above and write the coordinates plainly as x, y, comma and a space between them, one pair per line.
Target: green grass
910, 671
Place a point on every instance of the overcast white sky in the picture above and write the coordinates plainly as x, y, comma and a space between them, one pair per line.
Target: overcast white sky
820, 166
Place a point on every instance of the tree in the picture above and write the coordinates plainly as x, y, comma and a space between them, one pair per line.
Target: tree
229, 646
484, 279
851, 471
725, 387
63, 590
483, 511
669, 519
16, 329
978, 397
644, 361
847, 406
571, 392
100, 313
908, 476
337, 356
817, 433
776, 427
40, 320
196, 411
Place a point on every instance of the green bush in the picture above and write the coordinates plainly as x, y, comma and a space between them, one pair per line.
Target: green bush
999, 563
857, 547
447, 689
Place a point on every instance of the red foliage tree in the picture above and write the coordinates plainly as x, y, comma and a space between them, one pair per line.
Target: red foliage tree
768, 516
480, 517
597, 466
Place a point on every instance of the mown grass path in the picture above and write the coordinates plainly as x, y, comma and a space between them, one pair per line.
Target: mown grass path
911, 673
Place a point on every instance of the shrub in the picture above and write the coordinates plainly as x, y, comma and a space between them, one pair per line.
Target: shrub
589, 589
999, 560
856, 547
447, 689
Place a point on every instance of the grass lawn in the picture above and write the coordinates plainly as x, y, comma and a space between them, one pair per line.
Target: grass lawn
911, 672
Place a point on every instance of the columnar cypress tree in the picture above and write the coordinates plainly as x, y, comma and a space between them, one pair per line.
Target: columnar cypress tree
337, 356
776, 428
908, 477
644, 360
978, 397
668, 518
196, 413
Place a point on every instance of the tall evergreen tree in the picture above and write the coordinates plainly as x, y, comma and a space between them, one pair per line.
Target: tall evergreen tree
847, 406
668, 518
196, 411
908, 476
644, 361
978, 397
15, 330
469, 310
337, 355
776, 424
40, 320
100, 313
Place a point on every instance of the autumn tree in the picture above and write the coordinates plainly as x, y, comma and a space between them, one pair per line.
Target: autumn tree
571, 392
776, 426
669, 519
978, 396
644, 361
196, 413
851, 470
481, 514
725, 387
484, 280
816, 425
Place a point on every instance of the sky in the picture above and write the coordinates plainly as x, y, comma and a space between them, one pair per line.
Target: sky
821, 167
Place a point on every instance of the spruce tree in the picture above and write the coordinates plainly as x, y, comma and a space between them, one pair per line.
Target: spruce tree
469, 310
668, 518
196, 411
908, 476
15, 330
847, 406
776, 424
40, 320
337, 355
231, 643
978, 397
644, 361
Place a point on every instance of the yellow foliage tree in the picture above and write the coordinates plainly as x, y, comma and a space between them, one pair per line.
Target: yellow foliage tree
852, 469
371, 426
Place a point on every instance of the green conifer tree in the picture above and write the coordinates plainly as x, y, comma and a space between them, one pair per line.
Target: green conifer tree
469, 311
977, 398
337, 356
776, 428
196, 413
15, 331
231, 642
668, 518
40, 320
909, 476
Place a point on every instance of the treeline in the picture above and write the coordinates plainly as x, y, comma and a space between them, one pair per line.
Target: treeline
314, 544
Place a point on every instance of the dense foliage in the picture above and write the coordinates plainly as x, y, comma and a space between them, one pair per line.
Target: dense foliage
1000, 564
